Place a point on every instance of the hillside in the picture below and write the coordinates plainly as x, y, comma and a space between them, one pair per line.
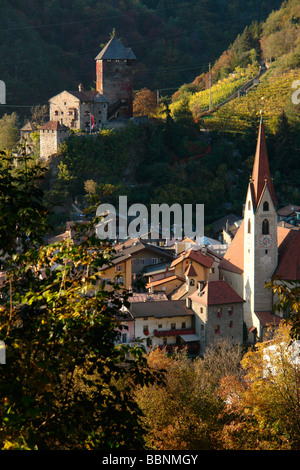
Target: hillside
47, 47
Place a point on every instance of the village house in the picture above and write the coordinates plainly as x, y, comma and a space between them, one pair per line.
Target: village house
128, 263
218, 313
162, 323
182, 276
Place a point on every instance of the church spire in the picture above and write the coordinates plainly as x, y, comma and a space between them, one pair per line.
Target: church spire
261, 172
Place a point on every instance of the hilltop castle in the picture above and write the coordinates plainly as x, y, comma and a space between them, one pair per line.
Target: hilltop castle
91, 110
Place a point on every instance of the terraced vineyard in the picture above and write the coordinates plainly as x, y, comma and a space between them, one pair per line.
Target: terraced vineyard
223, 89
272, 95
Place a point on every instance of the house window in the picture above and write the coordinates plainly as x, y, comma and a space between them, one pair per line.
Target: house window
231, 324
219, 313
230, 310
202, 327
159, 326
173, 326
183, 324
265, 227
212, 270
217, 329
119, 267
201, 309
192, 282
165, 340
266, 206
154, 260
146, 330
124, 337
145, 318
56, 113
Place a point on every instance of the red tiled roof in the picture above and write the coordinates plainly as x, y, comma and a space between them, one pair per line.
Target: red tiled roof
268, 318
190, 271
195, 255
288, 267
164, 280
233, 259
216, 293
53, 126
288, 254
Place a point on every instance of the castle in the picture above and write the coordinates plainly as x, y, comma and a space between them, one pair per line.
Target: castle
90, 110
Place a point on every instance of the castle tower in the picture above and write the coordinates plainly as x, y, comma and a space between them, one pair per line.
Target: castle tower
114, 77
260, 235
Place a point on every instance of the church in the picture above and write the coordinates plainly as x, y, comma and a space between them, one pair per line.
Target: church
90, 110
261, 250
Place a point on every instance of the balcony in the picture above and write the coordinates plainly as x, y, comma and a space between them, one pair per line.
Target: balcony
177, 332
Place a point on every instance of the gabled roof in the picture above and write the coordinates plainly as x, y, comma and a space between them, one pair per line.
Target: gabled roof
196, 255
160, 309
89, 95
261, 172
164, 280
114, 49
288, 254
216, 293
28, 127
190, 271
233, 259
288, 267
54, 126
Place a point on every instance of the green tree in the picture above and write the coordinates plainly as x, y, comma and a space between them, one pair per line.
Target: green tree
9, 131
67, 384
265, 404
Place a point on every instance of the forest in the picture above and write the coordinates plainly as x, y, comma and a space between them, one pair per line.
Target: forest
52, 45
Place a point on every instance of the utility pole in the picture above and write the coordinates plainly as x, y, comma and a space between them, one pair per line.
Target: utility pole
209, 87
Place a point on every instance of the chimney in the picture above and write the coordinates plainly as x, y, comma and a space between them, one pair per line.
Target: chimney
80, 87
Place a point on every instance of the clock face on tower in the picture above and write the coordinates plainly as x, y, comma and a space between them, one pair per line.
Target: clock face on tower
266, 241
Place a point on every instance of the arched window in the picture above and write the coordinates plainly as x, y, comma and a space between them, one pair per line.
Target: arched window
249, 205
265, 227
266, 206
249, 226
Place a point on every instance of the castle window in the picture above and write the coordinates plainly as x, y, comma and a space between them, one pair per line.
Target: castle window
230, 310
249, 226
217, 329
265, 227
231, 324
219, 312
56, 113
192, 282
266, 206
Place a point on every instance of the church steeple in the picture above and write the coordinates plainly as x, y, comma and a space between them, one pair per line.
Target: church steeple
261, 172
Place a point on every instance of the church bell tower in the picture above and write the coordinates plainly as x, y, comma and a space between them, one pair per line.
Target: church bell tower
260, 235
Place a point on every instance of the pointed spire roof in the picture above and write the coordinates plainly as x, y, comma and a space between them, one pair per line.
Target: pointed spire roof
114, 49
261, 172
